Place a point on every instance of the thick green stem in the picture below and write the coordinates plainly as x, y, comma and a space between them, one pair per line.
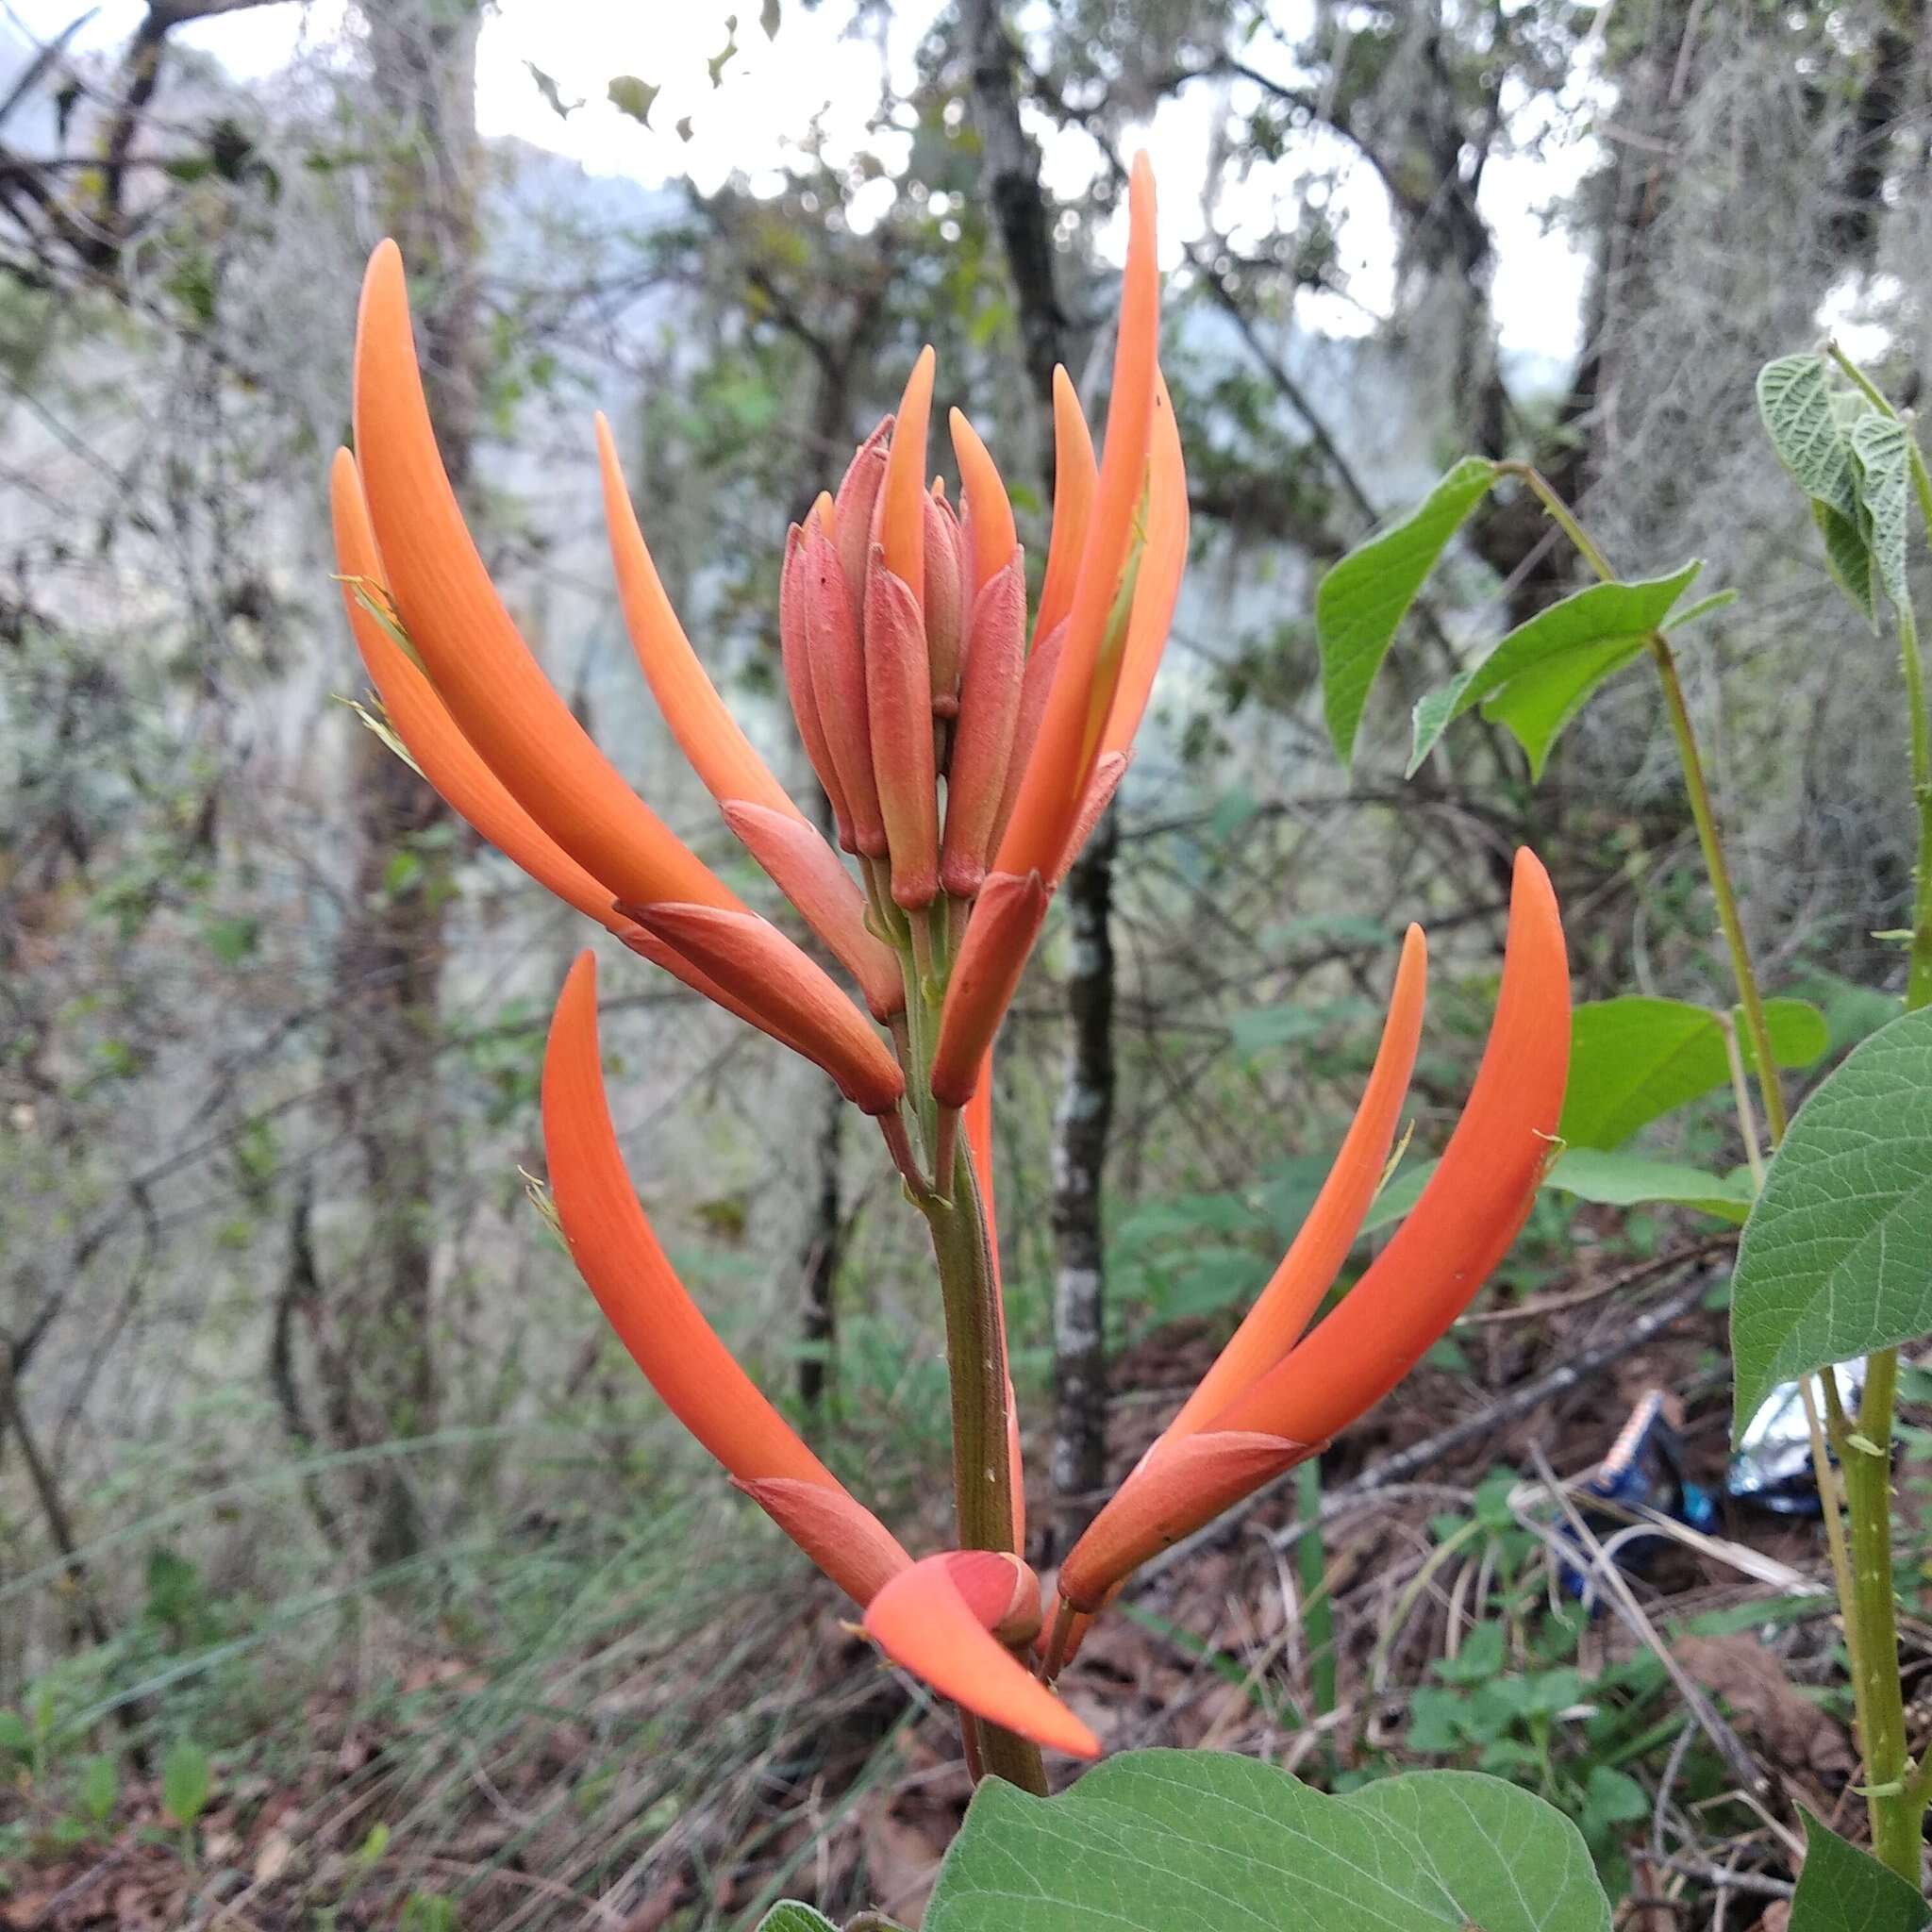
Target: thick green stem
1715, 866
983, 1474
1865, 1456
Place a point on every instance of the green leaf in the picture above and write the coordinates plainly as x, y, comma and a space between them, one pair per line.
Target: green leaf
1399, 1193
1634, 1059
1849, 558
1844, 1889
1152, 1841
634, 97
1625, 1180
1565, 651
1834, 1257
1536, 708
100, 1786
1366, 595
1879, 455
1795, 400
185, 1778
793, 1917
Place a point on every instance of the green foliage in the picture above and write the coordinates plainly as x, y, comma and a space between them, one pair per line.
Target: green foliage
1534, 681
186, 1779
1842, 1889
1153, 1839
1629, 1180
429, 1911
1833, 1261
1367, 594
791, 1916
1635, 1059
1880, 456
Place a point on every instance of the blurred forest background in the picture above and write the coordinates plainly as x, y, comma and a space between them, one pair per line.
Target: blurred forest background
349, 1574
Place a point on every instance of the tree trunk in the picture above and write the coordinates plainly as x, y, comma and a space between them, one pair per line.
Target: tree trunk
378, 1353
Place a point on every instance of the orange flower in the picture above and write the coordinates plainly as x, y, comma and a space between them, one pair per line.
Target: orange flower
949, 1619
618, 1255
1266, 1414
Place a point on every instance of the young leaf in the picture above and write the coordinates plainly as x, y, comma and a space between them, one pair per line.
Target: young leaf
1833, 1261
793, 1917
1627, 1180
1535, 708
1879, 455
1795, 401
1634, 1059
1849, 558
1568, 650
185, 1782
1152, 1841
1844, 1889
1366, 595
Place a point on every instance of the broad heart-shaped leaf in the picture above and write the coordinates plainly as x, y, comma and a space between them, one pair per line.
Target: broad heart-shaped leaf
1879, 455
1365, 597
1795, 401
793, 1917
1844, 1889
1629, 1180
1162, 1840
1634, 1059
1837, 1257
1600, 626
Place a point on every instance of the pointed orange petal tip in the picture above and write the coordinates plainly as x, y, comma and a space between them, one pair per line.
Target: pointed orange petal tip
1467, 1216
851, 524
948, 604
1288, 1302
989, 513
989, 715
808, 872
842, 1537
1176, 1489
699, 720
481, 667
898, 698
1076, 477
901, 516
794, 999
1006, 921
922, 1622
619, 1256
1108, 773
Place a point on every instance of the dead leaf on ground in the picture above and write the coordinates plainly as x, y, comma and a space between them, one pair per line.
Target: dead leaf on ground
1783, 1723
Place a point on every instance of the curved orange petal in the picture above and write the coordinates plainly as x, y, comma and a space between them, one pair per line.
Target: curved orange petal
807, 869
702, 726
1006, 918
1157, 588
618, 1255
922, 1621
902, 507
843, 1538
1075, 478
1062, 756
647, 946
1178, 1488
792, 996
989, 514
1467, 1216
445, 758
1109, 769
1284, 1308
977, 1118
481, 668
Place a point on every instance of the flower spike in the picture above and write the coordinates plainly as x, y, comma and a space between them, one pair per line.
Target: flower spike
481, 668
619, 1256
933, 1619
1467, 1216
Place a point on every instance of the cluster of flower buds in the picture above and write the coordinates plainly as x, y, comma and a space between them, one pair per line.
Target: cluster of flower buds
966, 757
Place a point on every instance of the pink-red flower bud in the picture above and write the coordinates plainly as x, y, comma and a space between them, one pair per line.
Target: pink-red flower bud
983, 739
899, 713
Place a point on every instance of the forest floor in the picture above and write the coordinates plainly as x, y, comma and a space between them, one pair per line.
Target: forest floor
1452, 1637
